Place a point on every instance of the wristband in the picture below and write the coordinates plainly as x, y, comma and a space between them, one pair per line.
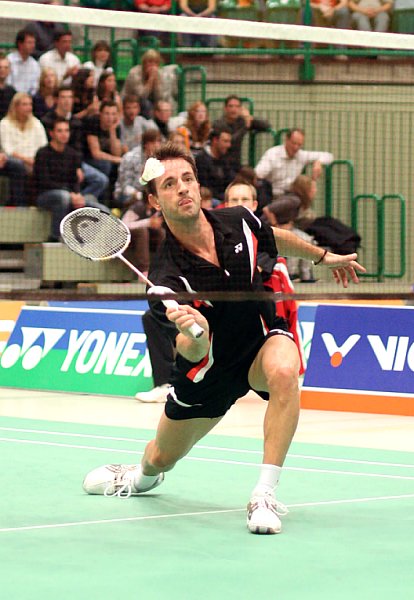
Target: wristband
318, 262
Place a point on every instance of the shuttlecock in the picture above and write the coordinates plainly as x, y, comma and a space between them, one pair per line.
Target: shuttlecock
153, 168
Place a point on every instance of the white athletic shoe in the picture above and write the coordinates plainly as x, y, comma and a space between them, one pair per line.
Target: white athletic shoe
263, 514
157, 394
116, 480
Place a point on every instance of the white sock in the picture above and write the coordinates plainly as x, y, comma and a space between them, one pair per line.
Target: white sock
142, 481
268, 479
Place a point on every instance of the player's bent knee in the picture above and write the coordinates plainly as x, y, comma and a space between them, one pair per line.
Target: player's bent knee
283, 377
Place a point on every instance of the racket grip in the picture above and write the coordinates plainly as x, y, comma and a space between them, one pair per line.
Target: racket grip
195, 329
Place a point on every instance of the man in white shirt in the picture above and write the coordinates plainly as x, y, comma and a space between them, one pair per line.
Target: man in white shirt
24, 69
61, 59
280, 165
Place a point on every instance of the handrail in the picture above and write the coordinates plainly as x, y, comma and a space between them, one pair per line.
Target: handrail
356, 200
329, 183
403, 229
182, 84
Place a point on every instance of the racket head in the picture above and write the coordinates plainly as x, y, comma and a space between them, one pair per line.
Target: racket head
94, 234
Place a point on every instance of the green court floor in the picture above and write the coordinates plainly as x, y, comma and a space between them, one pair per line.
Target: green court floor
349, 533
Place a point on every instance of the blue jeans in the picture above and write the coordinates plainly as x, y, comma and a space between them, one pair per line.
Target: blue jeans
60, 205
15, 171
95, 181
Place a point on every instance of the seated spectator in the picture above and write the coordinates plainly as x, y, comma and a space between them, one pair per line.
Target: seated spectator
151, 82
132, 124
21, 136
206, 198
280, 165
371, 15
24, 69
194, 8
197, 127
127, 186
44, 32
103, 140
45, 98
214, 169
331, 13
179, 139
106, 90
94, 181
262, 187
283, 213
147, 233
304, 189
101, 60
57, 173
86, 101
61, 59
238, 119
164, 120
6, 91
159, 7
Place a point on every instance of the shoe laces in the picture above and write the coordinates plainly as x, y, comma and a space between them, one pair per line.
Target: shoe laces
122, 486
269, 501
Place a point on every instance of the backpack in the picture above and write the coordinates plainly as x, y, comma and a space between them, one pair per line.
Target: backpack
331, 232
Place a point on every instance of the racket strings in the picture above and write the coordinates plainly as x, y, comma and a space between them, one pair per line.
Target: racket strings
94, 234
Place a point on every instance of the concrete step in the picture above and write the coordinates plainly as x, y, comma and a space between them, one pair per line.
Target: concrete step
19, 224
11, 260
10, 282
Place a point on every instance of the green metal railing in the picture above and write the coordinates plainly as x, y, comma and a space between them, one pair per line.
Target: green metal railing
380, 203
183, 83
330, 170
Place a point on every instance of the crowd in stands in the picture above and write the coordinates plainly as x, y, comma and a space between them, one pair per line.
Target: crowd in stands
69, 138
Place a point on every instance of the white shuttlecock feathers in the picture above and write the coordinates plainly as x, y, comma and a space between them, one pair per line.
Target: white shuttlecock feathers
153, 168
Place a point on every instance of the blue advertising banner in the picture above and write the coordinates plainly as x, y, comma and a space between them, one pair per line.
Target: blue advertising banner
85, 349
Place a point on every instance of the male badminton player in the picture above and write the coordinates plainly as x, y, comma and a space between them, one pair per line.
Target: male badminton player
244, 345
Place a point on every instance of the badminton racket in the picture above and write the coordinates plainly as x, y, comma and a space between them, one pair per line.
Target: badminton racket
98, 235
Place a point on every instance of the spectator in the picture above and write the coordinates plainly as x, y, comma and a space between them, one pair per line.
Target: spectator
24, 69
103, 136
164, 120
101, 60
262, 187
195, 8
127, 186
283, 214
178, 139
57, 173
44, 32
206, 198
132, 124
304, 189
214, 169
159, 7
371, 15
94, 181
197, 127
61, 59
6, 91
45, 98
331, 13
280, 165
240, 121
86, 101
106, 90
152, 82
21, 136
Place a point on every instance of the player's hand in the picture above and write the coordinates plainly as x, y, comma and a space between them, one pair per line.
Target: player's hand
184, 316
344, 267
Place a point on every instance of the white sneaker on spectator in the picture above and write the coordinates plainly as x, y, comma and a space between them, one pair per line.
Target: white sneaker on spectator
263, 514
157, 394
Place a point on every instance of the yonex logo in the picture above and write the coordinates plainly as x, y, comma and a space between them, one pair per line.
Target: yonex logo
37, 342
338, 353
238, 248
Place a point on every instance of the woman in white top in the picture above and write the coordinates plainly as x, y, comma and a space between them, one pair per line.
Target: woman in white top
101, 60
21, 134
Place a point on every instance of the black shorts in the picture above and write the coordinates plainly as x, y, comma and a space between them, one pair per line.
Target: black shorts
213, 399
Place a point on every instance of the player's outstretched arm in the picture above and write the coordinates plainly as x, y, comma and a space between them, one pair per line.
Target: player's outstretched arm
344, 268
184, 316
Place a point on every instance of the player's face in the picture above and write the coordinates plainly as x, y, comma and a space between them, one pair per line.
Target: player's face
241, 195
178, 192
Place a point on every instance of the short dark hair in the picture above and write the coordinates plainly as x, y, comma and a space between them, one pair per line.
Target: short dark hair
240, 181
151, 135
170, 151
217, 131
60, 33
107, 103
59, 120
231, 97
22, 35
63, 88
130, 99
290, 132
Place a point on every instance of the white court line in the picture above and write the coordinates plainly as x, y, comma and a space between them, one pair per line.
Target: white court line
195, 514
208, 447
213, 460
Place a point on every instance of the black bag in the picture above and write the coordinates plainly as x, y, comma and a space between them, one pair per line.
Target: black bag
331, 232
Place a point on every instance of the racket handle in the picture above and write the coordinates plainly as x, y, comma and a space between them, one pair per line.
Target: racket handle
195, 329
